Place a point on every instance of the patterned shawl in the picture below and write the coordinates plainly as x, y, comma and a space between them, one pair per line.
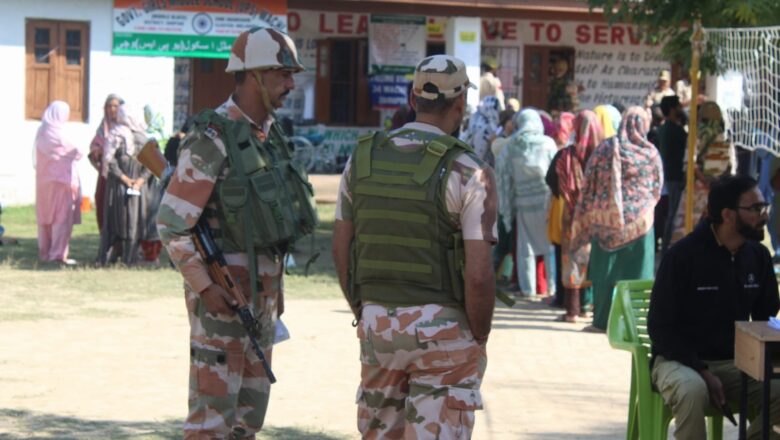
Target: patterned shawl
103, 136
129, 129
571, 165
547, 121
715, 155
564, 126
522, 165
482, 126
622, 185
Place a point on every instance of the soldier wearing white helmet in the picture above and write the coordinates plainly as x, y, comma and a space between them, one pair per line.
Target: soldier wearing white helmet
235, 169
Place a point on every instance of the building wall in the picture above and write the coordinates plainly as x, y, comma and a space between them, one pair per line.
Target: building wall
139, 80
612, 63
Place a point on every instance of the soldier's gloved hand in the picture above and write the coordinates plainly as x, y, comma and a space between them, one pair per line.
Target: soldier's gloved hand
217, 300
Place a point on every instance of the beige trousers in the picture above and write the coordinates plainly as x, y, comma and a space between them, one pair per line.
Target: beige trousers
685, 392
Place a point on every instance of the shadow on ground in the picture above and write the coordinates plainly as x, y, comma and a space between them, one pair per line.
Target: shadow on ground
21, 424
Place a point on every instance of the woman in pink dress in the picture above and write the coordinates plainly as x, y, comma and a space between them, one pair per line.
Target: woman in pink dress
57, 185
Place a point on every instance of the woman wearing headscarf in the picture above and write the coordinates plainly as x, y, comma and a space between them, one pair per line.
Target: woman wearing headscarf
482, 128
570, 171
105, 134
524, 196
150, 243
124, 207
560, 131
57, 185
505, 245
622, 185
715, 157
609, 119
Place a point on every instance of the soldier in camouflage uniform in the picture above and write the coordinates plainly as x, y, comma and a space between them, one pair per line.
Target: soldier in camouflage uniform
229, 389
562, 96
415, 224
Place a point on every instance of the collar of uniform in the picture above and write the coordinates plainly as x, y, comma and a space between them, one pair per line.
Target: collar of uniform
234, 112
422, 126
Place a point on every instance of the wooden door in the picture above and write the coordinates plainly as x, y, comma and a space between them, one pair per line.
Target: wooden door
41, 56
57, 54
210, 85
322, 82
73, 70
536, 73
365, 115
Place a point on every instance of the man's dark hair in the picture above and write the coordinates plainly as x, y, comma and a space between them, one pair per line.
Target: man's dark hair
505, 116
487, 67
240, 77
668, 103
725, 193
619, 106
433, 106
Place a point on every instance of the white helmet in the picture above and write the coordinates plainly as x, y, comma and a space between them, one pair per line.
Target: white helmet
263, 48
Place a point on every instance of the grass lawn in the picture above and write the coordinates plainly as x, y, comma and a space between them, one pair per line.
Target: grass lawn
30, 289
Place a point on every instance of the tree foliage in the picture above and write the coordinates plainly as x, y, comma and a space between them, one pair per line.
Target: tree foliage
670, 21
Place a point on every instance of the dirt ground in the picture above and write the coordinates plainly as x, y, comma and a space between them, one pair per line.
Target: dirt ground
126, 376
544, 380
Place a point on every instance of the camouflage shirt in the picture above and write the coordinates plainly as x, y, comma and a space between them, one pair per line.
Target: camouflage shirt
559, 98
202, 163
471, 190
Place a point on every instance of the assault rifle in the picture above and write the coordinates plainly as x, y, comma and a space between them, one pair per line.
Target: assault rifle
151, 157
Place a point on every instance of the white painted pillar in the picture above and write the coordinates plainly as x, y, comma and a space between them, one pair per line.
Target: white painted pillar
464, 41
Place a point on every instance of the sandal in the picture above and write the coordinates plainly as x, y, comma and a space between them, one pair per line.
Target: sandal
592, 329
566, 318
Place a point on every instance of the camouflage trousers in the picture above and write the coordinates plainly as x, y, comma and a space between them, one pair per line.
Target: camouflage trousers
421, 373
229, 390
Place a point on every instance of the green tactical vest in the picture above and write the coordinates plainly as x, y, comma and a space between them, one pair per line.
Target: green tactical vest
407, 250
265, 202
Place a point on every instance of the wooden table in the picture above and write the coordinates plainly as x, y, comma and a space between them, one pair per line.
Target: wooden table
756, 354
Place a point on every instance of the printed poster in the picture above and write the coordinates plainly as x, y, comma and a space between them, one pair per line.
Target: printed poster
396, 43
189, 28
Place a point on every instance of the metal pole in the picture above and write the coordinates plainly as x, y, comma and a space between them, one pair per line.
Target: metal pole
697, 44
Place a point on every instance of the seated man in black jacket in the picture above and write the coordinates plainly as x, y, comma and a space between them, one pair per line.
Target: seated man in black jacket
717, 275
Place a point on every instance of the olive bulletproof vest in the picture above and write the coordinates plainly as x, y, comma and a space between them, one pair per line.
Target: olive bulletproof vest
407, 250
265, 202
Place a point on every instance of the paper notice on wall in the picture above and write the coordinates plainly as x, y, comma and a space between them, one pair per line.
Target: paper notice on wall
396, 43
189, 28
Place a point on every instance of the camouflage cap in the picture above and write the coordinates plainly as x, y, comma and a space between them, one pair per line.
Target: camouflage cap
440, 76
263, 48
664, 75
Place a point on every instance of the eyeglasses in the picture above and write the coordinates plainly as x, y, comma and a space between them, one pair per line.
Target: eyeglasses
758, 208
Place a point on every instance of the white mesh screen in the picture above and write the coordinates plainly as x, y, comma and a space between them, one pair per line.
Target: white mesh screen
749, 90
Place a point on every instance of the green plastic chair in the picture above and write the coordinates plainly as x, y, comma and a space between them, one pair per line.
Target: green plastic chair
648, 416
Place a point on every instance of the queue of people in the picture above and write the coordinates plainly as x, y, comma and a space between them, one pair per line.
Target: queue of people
578, 195
126, 198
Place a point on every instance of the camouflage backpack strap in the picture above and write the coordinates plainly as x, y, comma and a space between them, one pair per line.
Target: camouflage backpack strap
435, 150
366, 143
